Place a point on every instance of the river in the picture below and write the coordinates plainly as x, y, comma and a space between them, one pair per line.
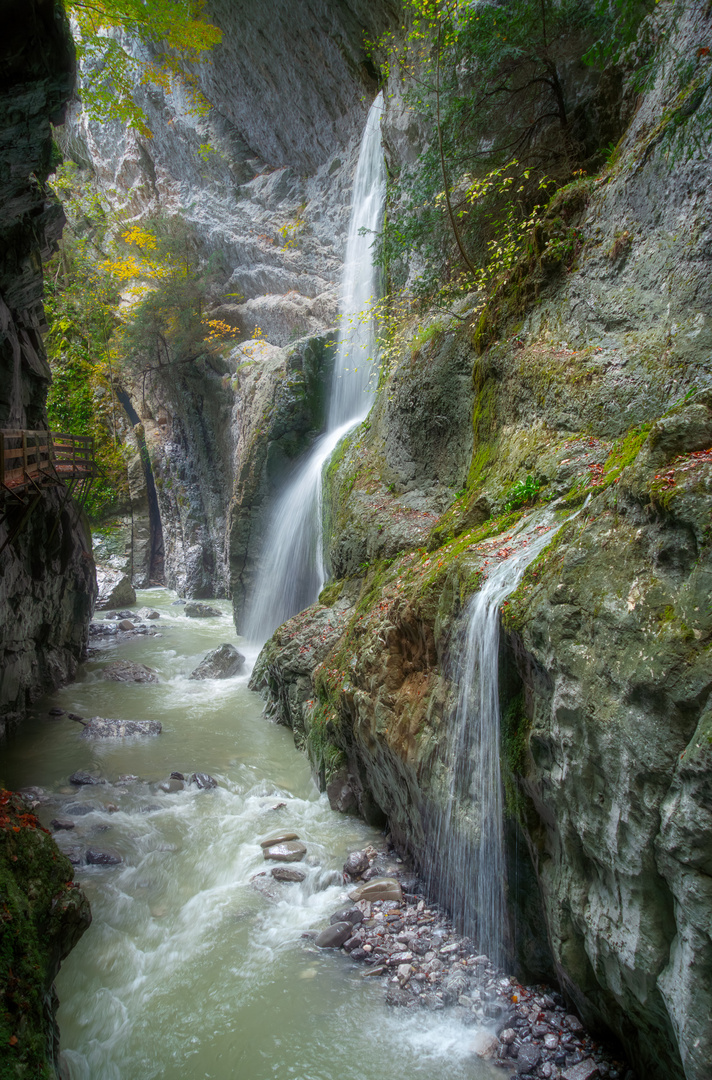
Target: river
188, 971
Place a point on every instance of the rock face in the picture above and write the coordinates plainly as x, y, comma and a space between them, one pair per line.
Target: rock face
114, 589
99, 728
45, 914
601, 391
46, 573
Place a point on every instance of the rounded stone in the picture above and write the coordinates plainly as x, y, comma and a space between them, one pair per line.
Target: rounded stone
378, 889
334, 935
292, 851
278, 838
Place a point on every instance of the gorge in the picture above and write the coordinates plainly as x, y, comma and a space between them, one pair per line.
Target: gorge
510, 520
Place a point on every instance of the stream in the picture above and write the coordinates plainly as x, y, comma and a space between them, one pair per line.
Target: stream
188, 970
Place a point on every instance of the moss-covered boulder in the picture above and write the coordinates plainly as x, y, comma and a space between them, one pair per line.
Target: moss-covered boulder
43, 913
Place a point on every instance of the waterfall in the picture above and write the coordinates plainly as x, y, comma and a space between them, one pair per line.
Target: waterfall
470, 876
291, 570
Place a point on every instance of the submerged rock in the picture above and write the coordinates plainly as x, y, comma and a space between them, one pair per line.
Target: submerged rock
291, 851
103, 858
203, 780
99, 728
221, 663
280, 838
127, 671
84, 779
288, 873
196, 610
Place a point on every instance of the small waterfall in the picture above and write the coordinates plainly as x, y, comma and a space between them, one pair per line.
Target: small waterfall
291, 572
469, 875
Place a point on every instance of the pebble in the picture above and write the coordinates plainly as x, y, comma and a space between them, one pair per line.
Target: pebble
425, 963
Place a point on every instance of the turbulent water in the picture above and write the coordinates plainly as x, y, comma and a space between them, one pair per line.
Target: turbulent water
187, 970
473, 876
291, 571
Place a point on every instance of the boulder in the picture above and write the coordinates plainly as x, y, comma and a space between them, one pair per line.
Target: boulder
203, 780
115, 588
221, 663
84, 779
351, 915
356, 863
127, 671
126, 625
292, 851
288, 873
103, 858
378, 889
334, 935
197, 610
99, 728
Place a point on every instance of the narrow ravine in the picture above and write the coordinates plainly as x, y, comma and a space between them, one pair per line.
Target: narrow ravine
190, 969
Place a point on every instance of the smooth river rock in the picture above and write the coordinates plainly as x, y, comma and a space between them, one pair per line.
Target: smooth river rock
278, 838
99, 728
288, 873
378, 889
127, 671
334, 935
221, 663
203, 780
292, 851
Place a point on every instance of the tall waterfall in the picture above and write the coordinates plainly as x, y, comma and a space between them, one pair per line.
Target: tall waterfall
291, 571
470, 877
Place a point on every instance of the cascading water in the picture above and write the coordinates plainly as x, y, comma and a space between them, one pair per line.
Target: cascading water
466, 856
291, 572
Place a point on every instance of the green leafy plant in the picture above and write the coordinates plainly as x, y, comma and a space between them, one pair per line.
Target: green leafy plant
526, 491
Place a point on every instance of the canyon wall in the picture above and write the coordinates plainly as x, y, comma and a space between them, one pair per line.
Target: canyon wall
587, 385
46, 570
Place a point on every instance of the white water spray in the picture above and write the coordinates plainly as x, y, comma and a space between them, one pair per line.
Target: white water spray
470, 877
291, 572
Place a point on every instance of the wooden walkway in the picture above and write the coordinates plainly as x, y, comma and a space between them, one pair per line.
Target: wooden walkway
35, 459
31, 461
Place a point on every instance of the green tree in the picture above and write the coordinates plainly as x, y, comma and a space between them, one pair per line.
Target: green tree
174, 35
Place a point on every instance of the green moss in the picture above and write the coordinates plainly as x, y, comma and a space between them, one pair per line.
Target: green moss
326, 757
331, 593
35, 890
625, 451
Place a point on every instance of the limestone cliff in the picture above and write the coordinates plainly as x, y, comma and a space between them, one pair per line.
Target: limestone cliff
588, 381
46, 571
263, 181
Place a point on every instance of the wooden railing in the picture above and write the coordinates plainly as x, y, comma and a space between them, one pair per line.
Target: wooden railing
33, 459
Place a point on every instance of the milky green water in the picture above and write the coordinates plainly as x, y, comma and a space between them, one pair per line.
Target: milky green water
187, 970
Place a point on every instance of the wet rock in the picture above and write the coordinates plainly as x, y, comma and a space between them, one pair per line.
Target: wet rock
288, 873
153, 615
454, 986
127, 672
75, 716
203, 780
292, 851
573, 1024
508, 1036
124, 615
221, 663
60, 824
334, 935
125, 625
264, 884
84, 779
95, 857
75, 855
80, 809
398, 997
278, 838
115, 588
528, 1058
356, 863
100, 728
585, 1070
55, 711
351, 915
486, 1046
171, 786
195, 610
551, 1041
378, 889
